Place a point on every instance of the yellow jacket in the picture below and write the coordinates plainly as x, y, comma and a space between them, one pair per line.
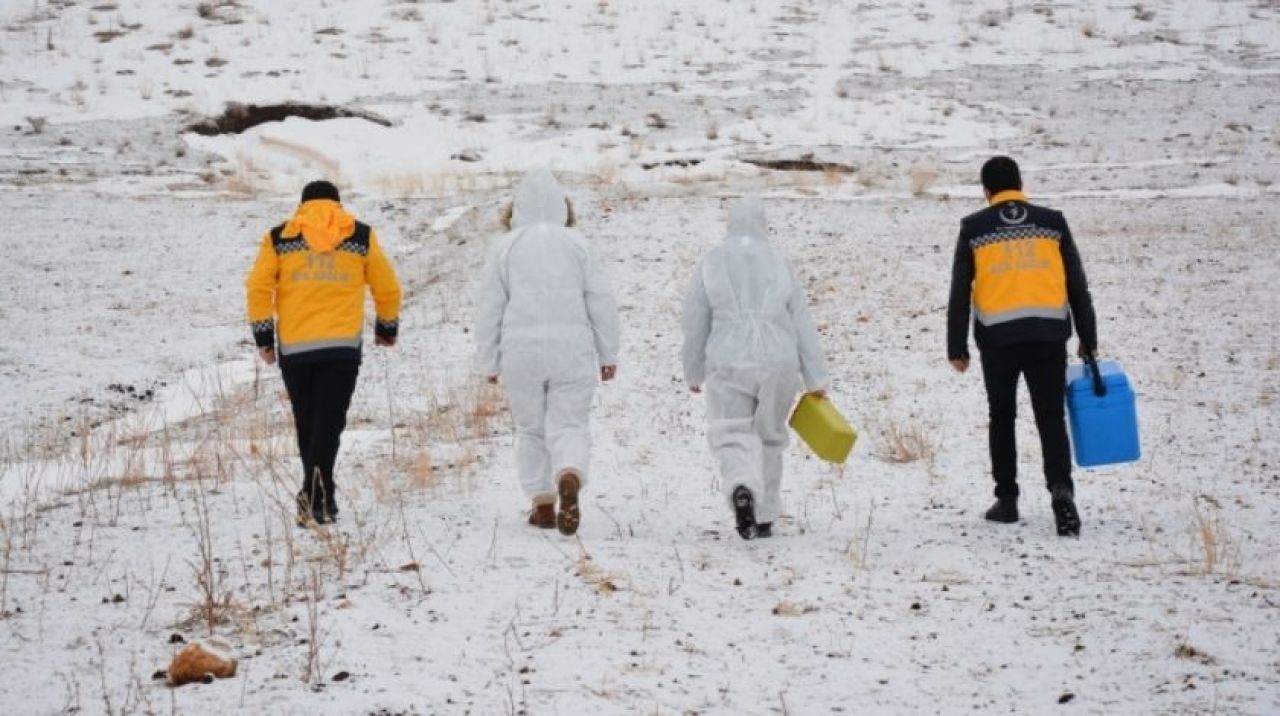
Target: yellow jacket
310, 277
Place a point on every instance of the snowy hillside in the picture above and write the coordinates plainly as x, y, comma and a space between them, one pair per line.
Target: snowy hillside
148, 463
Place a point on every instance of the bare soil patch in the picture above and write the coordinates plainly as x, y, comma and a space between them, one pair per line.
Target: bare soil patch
239, 117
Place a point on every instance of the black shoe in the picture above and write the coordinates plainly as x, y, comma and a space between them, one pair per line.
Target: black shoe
331, 510
764, 529
1065, 515
744, 512
1004, 510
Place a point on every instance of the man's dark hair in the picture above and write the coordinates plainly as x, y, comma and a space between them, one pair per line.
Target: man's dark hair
1001, 174
320, 190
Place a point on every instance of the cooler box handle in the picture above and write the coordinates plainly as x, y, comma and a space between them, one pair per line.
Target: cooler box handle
1091, 367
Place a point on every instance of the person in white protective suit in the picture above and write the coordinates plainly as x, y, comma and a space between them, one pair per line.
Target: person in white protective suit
548, 325
749, 337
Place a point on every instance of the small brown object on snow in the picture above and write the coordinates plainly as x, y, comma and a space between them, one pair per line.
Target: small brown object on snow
194, 664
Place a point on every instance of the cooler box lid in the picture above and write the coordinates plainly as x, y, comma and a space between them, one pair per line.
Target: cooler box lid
1112, 376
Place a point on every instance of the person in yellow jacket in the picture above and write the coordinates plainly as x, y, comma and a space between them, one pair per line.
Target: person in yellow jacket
306, 309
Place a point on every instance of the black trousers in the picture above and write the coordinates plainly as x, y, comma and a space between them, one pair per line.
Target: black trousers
320, 394
1044, 365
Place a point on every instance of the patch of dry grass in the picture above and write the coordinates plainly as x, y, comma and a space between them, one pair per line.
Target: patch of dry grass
604, 582
903, 441
921, 179
1213, 547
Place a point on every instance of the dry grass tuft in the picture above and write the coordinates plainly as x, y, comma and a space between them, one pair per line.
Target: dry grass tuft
214, 601
858, 549
921, 180
484, 404
462, 413
604, 582
903, 441
422, 471
311, 667
1213, 548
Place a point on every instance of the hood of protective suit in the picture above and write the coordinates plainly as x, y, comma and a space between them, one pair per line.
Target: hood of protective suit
746, 221
539, 199
323, 223
745, 276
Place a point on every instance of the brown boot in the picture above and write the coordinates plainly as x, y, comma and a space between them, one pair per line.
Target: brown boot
569, 516
543, 515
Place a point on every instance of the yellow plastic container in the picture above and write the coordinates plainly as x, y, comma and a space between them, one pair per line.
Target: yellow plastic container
823, 428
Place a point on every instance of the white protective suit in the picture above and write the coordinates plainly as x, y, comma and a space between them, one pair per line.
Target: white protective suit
749, 337
547, 323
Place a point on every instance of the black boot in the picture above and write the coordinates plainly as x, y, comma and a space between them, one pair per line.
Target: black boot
1065, 515
1004, 510
764, 529
744, 512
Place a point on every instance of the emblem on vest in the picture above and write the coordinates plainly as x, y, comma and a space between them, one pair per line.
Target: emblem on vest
1013, 214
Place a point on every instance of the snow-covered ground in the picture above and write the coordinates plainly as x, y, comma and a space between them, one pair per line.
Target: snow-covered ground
139, 435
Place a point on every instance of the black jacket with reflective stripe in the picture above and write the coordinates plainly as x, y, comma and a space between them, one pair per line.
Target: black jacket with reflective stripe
983, 224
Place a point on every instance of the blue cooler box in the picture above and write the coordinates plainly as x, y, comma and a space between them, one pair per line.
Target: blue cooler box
1104, 429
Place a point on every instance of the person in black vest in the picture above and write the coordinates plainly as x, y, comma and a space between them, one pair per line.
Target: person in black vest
1017, 267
